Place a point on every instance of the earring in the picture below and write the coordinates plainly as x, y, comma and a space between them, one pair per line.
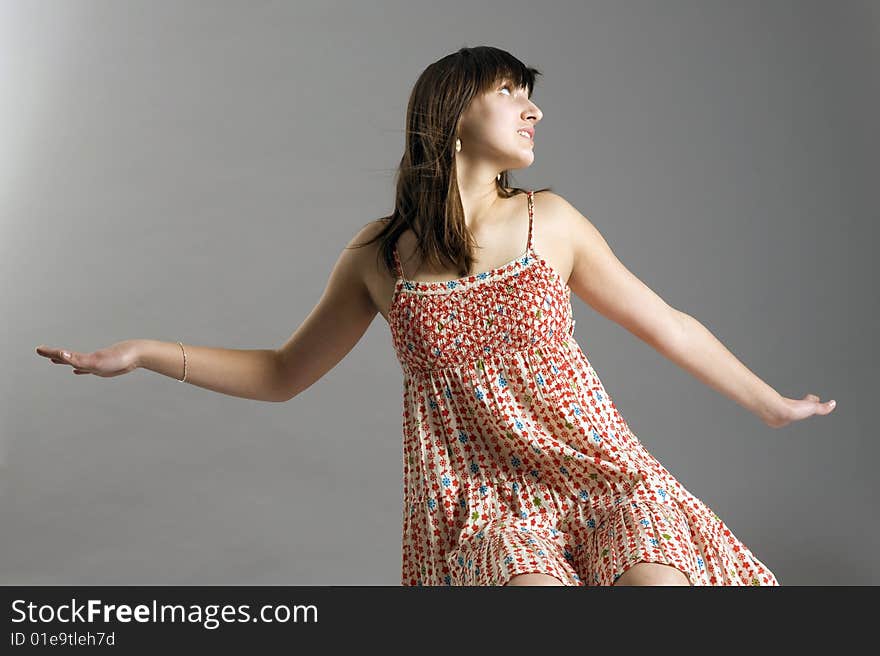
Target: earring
498, 177
457, 144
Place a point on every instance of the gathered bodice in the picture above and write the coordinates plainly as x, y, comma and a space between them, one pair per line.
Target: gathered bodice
436, 325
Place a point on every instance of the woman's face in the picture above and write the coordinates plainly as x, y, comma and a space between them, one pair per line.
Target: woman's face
488, 128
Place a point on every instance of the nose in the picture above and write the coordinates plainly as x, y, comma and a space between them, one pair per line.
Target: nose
533, 111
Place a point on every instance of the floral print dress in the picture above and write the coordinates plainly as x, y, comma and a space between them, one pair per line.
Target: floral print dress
515, 457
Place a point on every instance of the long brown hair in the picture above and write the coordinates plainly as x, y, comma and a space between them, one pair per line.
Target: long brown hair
427, 197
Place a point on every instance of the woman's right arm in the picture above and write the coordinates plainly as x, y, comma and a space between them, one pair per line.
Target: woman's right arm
333, 327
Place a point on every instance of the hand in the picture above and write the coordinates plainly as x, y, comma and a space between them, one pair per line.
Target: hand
115, 360
789, 410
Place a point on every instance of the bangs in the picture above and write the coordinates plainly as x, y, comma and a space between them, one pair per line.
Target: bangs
496, 67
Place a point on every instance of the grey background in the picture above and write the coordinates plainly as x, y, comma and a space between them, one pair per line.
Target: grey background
192, 170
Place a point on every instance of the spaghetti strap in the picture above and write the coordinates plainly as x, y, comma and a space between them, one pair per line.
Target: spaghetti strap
531, 211
397, 266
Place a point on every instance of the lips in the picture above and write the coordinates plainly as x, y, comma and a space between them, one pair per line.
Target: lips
529, 129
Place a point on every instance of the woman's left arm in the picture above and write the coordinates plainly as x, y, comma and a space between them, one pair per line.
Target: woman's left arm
698, 351
604, 283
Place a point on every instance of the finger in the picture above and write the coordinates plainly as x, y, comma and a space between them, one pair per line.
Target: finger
46, 351
56, 355
811, 397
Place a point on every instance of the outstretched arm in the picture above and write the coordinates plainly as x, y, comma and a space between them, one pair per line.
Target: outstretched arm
329, 332
603, 282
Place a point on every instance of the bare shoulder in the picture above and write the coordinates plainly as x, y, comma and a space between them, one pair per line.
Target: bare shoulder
375, 279
557, 211
556, 221
566, 222
366, 251
367, 232
352, 276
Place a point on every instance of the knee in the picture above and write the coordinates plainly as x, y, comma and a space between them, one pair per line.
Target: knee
534, 578
644, 573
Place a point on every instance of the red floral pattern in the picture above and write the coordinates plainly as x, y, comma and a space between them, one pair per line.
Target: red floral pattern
516, 459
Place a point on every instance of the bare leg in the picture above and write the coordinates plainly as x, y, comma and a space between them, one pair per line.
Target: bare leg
644, 573
533, 578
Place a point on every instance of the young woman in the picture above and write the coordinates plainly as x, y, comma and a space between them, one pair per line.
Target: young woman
518, 468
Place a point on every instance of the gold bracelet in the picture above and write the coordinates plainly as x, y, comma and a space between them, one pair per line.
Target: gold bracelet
181, 380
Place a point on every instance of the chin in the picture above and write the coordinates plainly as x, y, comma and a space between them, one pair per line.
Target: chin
518, 161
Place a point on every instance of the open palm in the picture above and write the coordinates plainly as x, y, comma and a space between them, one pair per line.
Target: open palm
115, 360
790, 410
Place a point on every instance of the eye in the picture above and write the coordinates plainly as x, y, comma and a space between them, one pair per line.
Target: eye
505, 86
